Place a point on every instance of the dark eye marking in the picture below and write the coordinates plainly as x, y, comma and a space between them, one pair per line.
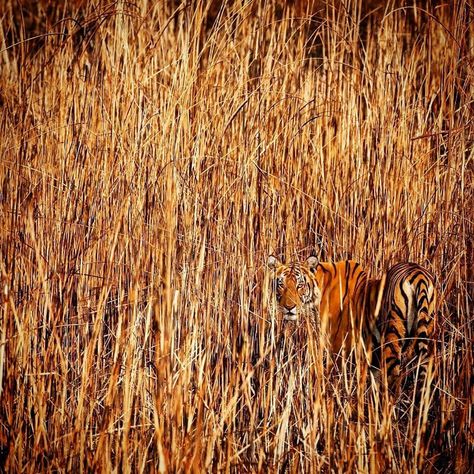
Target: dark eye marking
278, 282
300, 281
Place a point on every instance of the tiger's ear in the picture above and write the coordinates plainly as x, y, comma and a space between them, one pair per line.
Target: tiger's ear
312, 262
273, 262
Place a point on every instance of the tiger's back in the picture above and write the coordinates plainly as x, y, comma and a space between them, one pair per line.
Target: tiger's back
342, 299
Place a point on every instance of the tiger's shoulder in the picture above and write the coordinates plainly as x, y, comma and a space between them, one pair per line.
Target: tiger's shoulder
340, 267
342, 279
343, 269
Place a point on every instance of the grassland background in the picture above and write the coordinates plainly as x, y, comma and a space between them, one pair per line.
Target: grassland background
152, 155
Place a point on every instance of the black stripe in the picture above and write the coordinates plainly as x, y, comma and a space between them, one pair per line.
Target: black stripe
415, 276
339, 325
392, 358
393, 330
393, 349
356, 266
315, 269
395, 363
404, 295
422, 290
361, 278
422, 329
422, 299
396, 309
325, 270
420, 284
347, 281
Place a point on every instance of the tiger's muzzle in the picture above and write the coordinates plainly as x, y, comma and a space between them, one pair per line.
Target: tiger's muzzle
290, 314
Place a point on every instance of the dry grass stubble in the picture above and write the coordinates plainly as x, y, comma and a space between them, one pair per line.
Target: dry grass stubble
151, 160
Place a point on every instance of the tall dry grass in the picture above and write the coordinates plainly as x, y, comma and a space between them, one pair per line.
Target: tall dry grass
152, 156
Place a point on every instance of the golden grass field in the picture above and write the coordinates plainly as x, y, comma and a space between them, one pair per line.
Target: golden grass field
152, 156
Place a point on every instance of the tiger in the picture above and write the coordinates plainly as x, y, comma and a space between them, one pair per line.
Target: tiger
405, 323
393, 315
334, 291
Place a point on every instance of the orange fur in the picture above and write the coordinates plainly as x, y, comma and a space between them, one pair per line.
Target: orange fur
406, 321
395, 313
338, 296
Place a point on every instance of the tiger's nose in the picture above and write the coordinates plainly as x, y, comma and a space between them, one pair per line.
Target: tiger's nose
290, 313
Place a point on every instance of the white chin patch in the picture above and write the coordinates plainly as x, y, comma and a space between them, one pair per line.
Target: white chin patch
290, 317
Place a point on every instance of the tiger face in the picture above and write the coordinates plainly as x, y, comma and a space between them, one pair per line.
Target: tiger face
295, 287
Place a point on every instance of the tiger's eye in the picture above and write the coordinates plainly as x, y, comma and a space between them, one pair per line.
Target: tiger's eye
277, 283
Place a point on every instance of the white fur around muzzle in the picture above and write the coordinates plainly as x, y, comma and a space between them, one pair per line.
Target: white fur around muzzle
290, 315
